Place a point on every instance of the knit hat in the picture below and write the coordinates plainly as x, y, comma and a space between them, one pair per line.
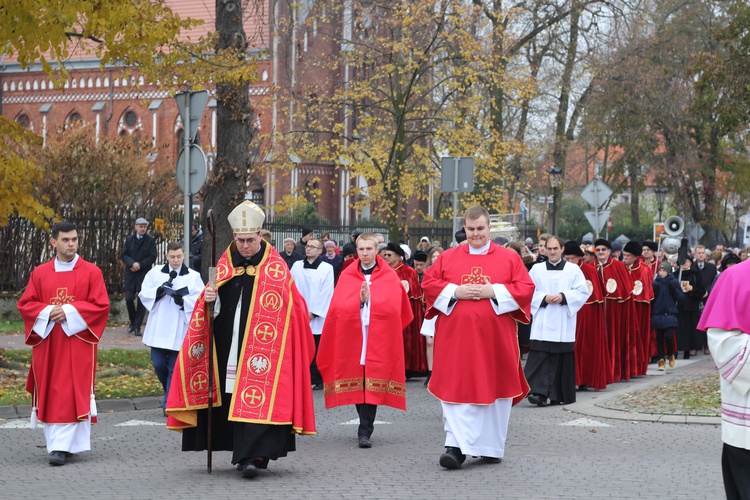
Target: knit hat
665, 266
306, 231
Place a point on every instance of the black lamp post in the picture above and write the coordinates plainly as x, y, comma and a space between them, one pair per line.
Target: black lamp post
737, 210
555, 176
661, 196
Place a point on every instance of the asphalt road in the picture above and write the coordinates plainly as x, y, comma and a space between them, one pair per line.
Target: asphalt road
577, 451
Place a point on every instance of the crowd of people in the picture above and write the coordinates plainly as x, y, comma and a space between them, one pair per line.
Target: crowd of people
359, 321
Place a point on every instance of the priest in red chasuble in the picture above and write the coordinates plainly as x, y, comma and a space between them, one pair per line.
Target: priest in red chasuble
415, 353
263, 347
618, 310
361, 354
477, 292
643, 294
65, 309
591, 353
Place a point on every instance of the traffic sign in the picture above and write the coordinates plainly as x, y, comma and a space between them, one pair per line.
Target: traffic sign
461, 180
196, 101
597, 219
596, 193
198, 169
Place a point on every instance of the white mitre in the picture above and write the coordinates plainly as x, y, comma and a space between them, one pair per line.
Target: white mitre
246, 218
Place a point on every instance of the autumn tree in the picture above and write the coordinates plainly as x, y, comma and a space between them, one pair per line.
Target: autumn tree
98, 176
143, 36
383, 116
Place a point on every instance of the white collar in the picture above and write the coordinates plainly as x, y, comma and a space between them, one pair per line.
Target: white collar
480, 251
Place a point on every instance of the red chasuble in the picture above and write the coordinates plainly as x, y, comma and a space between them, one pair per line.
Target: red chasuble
273, 371
382, 380
643, 294
618, 314
63, 369
591, 353
415, 355
477, 358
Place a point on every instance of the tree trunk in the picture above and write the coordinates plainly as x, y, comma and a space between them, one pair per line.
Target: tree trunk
226, 186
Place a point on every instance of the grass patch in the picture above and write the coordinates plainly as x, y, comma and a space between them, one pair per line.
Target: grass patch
689, 395
121, 373
8, 327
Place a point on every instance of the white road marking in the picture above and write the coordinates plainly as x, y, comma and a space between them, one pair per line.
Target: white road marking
136, 423
585, 422
356, 422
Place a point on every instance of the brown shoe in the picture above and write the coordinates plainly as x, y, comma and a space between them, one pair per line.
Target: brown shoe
672, 361
662, 365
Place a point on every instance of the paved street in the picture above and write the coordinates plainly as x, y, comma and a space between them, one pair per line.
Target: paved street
578, 451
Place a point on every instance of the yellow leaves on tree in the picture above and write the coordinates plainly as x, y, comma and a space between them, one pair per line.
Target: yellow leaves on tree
19, 192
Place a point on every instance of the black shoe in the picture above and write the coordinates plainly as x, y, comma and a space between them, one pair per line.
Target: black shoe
491, 460
364, 442
537, 399
57, 458
131, 329
427, 380
583, 388
452, 458
317, 387
249, 470
137, 332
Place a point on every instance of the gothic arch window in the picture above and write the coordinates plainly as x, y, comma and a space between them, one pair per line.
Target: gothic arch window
75, 83
98, 82
90, 82
311, 190
129, 121
106, 81
36, 85
23, 120
28, 84
44, 84
82, 83
73, 119
12, 86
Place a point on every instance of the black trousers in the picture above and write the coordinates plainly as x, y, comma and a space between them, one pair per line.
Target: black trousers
665, 336
315, 377
735, 467
366, 413
135, 313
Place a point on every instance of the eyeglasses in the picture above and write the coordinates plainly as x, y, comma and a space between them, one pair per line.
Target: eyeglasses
313, 246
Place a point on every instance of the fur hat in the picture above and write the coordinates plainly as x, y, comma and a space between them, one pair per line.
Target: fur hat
633, 247
392, 247
603, 242
420, 256
572, 248
651, 244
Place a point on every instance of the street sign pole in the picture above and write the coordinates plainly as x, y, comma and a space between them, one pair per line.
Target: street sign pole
188, 195
455, 198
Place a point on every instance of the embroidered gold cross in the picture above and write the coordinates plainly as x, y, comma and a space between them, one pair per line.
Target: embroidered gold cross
62, 297
275, 270
265, 332
252, 398
199, 381
474, 278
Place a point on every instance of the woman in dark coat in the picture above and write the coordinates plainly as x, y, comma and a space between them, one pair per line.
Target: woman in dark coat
688, 309
664, 313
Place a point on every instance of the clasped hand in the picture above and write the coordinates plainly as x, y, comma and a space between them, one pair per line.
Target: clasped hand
475, 291
364, 293
57, 315
554, 298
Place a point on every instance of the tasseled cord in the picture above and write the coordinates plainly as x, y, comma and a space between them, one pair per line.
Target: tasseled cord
92, 414
34, 420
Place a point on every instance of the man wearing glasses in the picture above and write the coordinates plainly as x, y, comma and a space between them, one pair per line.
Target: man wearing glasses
263, 348
314, 279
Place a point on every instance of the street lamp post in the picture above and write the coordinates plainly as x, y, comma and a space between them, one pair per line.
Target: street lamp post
661, 196
737, 210
555, 176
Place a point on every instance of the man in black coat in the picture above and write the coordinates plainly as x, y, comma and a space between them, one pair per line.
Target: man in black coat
138, 254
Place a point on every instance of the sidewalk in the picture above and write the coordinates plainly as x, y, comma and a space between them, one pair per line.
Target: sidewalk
115, 337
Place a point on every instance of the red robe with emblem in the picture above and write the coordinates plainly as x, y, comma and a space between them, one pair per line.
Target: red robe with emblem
415, 355
643, 294
477, 358
618, 314
382, 380
62, 372
272, 384
591, 352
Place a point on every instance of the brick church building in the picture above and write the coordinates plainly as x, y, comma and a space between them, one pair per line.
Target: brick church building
117, 105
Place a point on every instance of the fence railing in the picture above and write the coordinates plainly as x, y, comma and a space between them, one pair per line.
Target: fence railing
102, 234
